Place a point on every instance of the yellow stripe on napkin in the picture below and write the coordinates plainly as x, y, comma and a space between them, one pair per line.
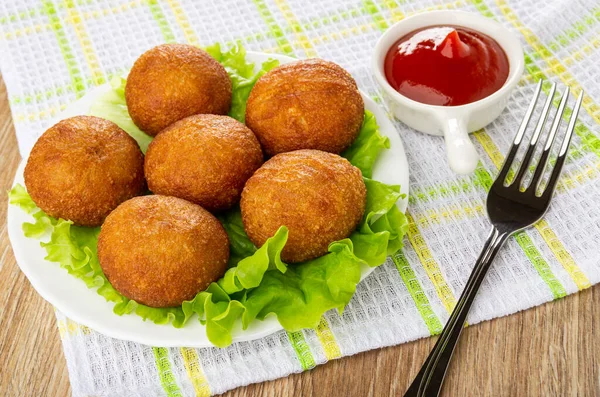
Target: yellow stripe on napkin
295, 25
194, 371
431, 266
563, 256
327, 339
395, 11
183, 22
70, 327
343, 33
74, 18
582, 52
274, 28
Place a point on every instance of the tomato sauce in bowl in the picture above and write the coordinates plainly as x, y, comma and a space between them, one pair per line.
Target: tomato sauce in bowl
446, 65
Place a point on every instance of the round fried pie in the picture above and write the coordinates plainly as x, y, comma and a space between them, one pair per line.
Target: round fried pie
319, 196
161, 251
205, 159
173, 81
82, 168
309, 104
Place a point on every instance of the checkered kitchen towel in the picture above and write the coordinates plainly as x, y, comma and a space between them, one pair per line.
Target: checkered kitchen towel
53, 51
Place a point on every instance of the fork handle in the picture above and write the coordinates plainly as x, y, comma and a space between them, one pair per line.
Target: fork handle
428, 382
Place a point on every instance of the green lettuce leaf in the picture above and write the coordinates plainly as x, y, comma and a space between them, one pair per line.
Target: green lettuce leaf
242, 75
111, 106
240, 245
258, 283
18, 196
366, 147
249, 271
300, 296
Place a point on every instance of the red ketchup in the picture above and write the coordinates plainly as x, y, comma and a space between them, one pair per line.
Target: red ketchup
446, 65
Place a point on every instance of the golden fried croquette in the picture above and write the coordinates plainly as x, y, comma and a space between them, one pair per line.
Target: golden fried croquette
161, 251
310, 104
319, 196
82, 168
173, 81
205, 159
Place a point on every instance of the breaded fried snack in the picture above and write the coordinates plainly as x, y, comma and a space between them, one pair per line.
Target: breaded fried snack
310, 104
205, 159
82, 168
173, 81
320, 197
161, 251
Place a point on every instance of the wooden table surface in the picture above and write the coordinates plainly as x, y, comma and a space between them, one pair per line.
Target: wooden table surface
551, 350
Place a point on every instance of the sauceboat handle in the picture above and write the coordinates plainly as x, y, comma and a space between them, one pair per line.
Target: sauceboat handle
462, 155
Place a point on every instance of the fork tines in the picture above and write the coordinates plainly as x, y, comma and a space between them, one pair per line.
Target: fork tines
534, 184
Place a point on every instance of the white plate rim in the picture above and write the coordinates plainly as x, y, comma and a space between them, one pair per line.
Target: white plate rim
132, 327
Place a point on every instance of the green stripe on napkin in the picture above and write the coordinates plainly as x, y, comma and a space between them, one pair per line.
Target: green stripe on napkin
161, 20
65, 48
416, 292
302, 349
167, 379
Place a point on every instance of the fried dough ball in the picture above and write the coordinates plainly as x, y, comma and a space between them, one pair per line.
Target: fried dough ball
310, 104
319, 196
161, 251
205, 159
173, 81
82, 168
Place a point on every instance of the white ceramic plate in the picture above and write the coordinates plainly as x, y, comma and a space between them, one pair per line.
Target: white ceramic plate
70, 295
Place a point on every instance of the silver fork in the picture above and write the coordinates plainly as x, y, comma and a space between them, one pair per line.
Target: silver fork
510, 209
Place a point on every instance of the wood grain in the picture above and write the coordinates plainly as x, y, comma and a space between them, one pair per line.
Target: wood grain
551, 350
